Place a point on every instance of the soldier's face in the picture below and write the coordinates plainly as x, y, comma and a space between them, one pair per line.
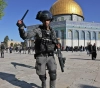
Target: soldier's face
46, 23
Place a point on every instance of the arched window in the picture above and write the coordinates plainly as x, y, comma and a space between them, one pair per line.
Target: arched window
62, 34
88, 35
93, 35
76, 35
99, 35
82, 35
69, 34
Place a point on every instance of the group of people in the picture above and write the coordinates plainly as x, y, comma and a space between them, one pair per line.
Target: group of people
91, 50
75, 48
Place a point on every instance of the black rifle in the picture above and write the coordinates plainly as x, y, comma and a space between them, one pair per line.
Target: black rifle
61, 59
24, 17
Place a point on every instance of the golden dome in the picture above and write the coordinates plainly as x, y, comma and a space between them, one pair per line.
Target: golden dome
66, 7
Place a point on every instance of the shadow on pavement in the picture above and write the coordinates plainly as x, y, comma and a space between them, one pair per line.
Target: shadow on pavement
97, 59
87, 86
14, 81
19, 64
80, 58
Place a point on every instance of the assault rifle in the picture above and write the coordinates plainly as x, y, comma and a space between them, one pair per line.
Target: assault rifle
61, 60
24, 17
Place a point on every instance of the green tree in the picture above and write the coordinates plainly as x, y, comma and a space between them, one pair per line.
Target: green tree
3, 4
6, 40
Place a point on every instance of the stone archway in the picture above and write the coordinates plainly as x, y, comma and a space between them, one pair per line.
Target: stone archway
70, 37
76, 38
93, 37
62, 38
83, 38
88, 36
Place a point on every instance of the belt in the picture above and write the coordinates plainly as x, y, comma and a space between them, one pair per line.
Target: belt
45, 54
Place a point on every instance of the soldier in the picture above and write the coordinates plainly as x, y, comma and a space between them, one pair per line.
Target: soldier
94, 53
89, 48
45, 42
2, 50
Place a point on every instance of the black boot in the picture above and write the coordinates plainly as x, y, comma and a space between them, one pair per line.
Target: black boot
52, 83
44, 84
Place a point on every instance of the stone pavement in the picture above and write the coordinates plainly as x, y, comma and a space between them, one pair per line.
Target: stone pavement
17, 71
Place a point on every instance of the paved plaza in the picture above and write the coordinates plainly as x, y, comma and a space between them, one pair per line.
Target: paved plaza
18, 71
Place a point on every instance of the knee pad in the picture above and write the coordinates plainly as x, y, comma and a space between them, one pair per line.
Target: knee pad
52, 75
42, 77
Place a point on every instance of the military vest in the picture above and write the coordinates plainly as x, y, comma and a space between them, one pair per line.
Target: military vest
45, 43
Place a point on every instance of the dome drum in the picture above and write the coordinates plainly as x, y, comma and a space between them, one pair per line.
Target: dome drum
68, 17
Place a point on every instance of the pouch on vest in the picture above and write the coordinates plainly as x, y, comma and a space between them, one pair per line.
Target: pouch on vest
50, 47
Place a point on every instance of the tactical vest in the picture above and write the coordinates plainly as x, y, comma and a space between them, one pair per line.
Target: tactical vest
45, 44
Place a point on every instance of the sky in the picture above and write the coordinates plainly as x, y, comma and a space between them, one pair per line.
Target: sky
16, 8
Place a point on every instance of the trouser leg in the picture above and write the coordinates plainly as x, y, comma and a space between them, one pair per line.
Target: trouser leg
1, 54
52, 78
52, 66
93, 56
41, 70
43, 80
52, 83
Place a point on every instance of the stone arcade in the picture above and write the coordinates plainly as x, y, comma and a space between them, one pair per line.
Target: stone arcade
70, 26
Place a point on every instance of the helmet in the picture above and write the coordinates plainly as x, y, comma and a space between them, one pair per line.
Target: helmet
44, 15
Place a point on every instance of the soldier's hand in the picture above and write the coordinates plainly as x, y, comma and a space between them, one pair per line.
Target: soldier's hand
19, 23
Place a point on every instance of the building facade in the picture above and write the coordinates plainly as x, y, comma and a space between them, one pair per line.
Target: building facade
70, 26
9, 43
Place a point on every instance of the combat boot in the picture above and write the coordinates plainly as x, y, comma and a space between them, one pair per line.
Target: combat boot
52, 84
44, 84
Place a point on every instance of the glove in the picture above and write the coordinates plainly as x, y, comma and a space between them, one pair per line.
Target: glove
20, 23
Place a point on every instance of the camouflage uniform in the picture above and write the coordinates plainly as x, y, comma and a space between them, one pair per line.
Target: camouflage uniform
42, 59
45, 41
